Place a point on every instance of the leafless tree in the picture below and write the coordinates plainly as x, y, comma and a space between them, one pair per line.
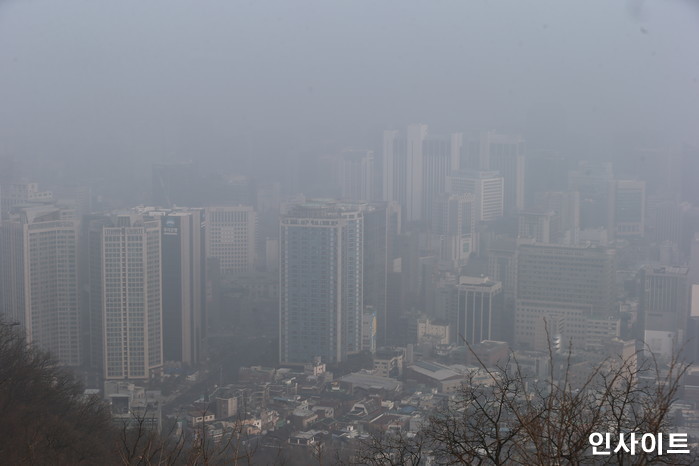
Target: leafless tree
391, 449
510, 417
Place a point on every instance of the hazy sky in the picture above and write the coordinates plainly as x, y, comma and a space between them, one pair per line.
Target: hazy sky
170, 79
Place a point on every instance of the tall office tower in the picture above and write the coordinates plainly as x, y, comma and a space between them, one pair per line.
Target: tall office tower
565, 224
175, 183
231, 236
321, 281
22, 193
356, 175
452, 228
627, 208
535, 225
591, 180
91, 280
438, 159
402, 169
573, 288
469, 152
183, 274
415, 168
369, 330
505, 153
502, 265
487, 189
664, 307
380, 227
664, 219
127, 265
479, 311
38, 250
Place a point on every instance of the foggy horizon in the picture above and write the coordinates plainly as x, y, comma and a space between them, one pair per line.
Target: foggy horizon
226, 82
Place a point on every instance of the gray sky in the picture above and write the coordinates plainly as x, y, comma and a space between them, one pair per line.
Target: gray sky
164, 79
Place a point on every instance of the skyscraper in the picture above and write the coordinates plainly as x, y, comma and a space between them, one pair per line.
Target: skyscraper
664, 219
321, 281
627, 208
565, 224
38, 249
573, 288
22, 193
664, 307
452, 228
183, 275
505, 153
379, 230
356, 175
479, 313
535, 225
415, 167
231, 236
486, 187
403, 169
126, 261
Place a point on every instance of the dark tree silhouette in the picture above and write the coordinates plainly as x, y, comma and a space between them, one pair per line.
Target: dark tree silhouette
46, 419
514, 418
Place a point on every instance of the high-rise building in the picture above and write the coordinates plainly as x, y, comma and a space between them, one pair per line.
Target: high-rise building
535, 225
183, 274
38, 250
487, 189
415, 167
664, 219
664, 307
565, 224
369, 330
479, 312
572, 287
126, 266
453, 215
505, 153
453, 228
22, 193
231, 237
627, 208
438, 160
321, 281
379, 229
356, 175
502, 265
403, 169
